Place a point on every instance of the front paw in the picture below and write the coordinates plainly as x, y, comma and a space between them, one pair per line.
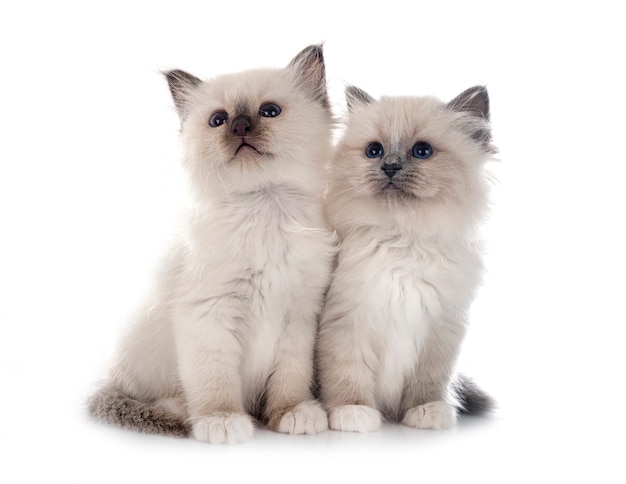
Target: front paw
355, 418
434, 415
223, 428
305, 418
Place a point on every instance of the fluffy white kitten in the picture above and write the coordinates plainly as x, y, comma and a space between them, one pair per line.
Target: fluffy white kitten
407, 192
228, 336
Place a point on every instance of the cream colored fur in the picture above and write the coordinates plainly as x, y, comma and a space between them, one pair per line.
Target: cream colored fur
409, 261
229, 333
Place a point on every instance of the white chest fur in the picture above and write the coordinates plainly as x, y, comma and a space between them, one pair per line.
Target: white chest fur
403, 289
266, 260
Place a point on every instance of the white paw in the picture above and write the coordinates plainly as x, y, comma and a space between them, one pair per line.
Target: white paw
223, 429
434, 415
305, 418
355, 418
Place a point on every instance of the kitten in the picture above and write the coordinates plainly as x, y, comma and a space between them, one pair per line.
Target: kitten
229, 335
407, 192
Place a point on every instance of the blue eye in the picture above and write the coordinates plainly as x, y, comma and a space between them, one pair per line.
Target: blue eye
422, 150
219, 118
269, 110
374, 150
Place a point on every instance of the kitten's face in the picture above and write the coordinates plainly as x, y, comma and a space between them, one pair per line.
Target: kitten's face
410, 154
242, 131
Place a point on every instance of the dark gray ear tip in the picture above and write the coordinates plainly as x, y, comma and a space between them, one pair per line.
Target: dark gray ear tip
316, 52
315, 49
312, 54
482, 92
480, 89
181, 78
356, 96
354, 93
181, 84
474, 100
171, 74
477, 92
310, 72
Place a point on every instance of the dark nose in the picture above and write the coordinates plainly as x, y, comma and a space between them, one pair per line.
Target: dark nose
242, 125
391, 169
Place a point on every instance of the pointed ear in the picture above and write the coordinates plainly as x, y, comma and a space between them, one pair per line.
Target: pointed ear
181, 85
474, 100
310, 72
357, 97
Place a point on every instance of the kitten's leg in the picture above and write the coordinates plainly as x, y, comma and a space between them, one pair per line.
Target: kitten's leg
346, 362
209, 355
291, 407
426, 397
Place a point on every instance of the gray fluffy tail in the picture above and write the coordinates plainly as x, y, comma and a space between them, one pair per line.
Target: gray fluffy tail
112, 406
471, 399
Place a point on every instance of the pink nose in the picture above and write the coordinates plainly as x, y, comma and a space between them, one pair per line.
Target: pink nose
241, 125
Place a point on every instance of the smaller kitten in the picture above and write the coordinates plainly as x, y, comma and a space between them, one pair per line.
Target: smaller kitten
407, 192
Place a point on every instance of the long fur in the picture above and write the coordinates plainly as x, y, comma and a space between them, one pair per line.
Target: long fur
228, 335
470, 398
409, 262
112, 406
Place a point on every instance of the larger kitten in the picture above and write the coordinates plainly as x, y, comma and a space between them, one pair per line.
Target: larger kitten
229, 334
407, 192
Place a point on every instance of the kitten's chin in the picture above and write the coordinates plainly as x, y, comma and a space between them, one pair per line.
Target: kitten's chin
391, 187
246, 148
391, 191
409, 192
246, 152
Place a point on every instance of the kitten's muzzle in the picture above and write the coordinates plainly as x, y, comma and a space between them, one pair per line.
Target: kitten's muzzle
391, 169
242, 127
392, 163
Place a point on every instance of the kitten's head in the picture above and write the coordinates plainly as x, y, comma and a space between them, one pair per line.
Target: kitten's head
412, 161
241, 132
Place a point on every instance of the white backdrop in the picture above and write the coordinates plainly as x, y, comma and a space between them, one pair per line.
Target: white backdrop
89, 185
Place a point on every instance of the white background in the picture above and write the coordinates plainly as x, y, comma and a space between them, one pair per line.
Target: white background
89, 186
